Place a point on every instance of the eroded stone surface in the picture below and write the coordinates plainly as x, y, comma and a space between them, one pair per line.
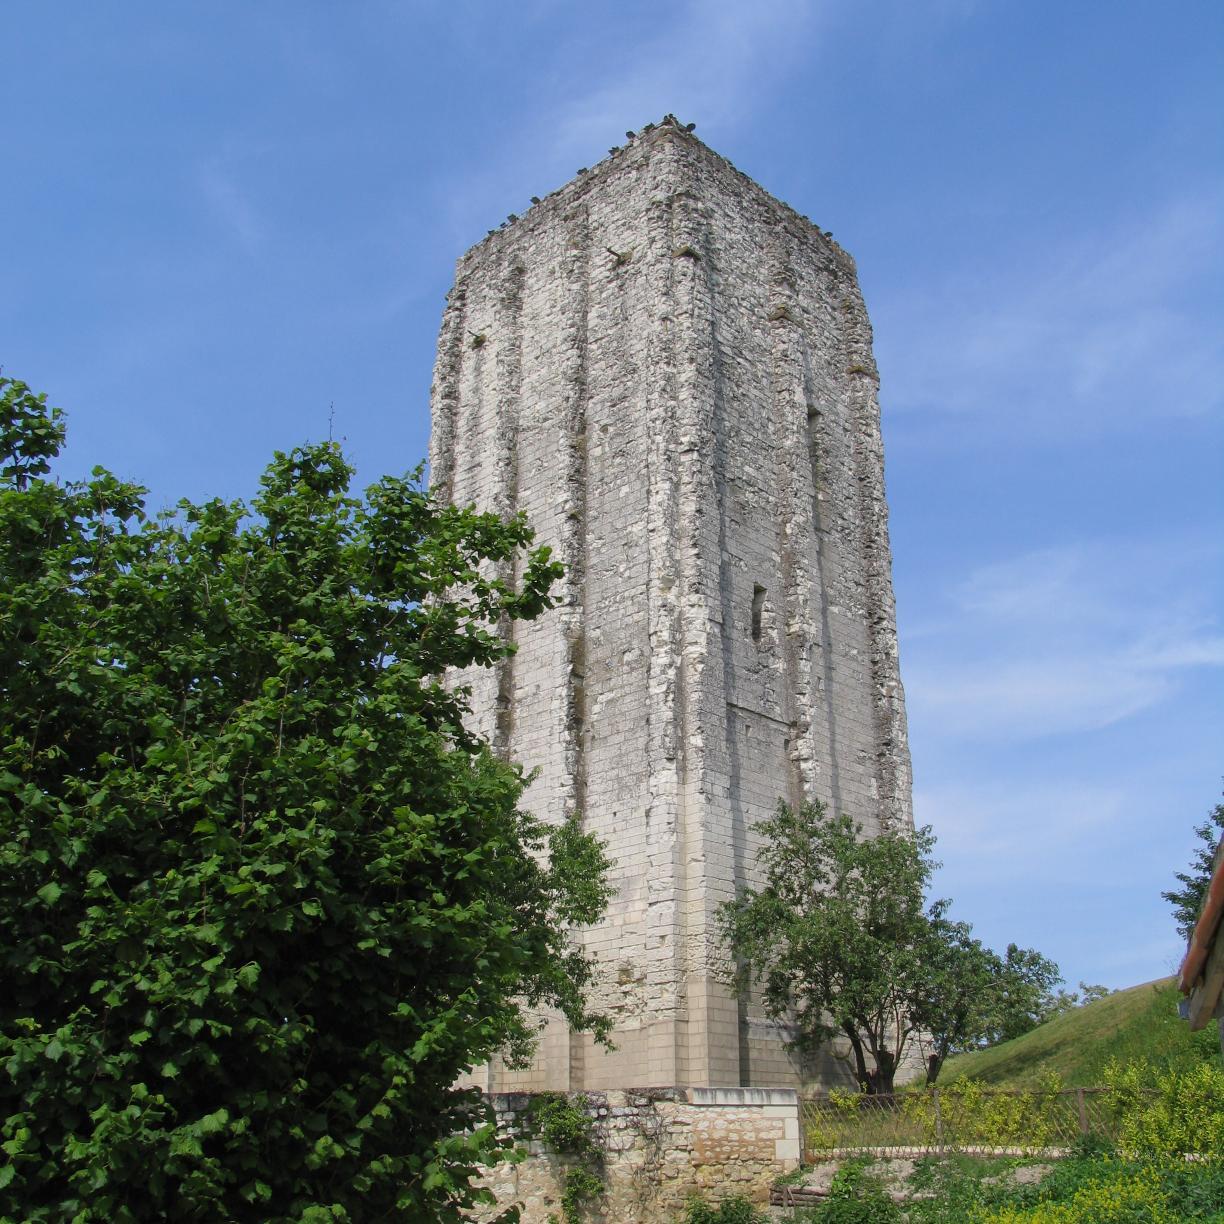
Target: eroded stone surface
670, 372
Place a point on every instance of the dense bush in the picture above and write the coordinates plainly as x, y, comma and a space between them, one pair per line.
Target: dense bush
953, 1189
734, 1210
261, 897
1108, 1190
972, 1115
1184, 1113
1166, 1165
1099, 1189
856, 1197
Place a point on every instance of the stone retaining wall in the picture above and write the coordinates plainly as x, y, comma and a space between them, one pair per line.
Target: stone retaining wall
657, 1147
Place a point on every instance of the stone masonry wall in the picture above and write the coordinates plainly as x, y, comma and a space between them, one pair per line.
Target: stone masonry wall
659, 1146
670, 373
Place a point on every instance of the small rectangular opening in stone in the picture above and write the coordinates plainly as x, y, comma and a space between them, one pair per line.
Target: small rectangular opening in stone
758, 608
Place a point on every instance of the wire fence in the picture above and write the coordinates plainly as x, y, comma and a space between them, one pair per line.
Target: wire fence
963, 1117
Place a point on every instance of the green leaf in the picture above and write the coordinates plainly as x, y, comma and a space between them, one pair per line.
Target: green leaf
226, 741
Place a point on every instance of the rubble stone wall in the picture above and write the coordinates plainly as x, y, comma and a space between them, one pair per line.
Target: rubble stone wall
657, 1148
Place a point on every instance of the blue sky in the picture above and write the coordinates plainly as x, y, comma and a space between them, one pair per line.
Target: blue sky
221, 220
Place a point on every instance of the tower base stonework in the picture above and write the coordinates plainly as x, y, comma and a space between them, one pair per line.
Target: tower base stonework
670, 373
660, 1146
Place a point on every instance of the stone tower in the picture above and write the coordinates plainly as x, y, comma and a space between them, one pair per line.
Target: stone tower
670, 372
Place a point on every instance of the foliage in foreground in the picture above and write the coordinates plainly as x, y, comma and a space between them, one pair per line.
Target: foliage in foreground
1140, 1175
1106, 1190
968, 1115
1089, 1189
857, 1197
1169, 1115
1142, 1112
973, 1116
261, 898
734, 1210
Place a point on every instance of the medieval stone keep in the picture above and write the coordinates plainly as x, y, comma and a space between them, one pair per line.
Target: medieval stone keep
670, 372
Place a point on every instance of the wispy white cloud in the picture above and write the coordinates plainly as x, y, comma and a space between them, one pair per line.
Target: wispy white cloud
1074, 867
1004, 830
989, 700
1044, 581
717, 64
1204, 651
1101, 327
229, 202
1063, 640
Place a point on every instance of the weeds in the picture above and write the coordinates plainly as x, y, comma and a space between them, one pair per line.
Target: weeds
1091, 1188
736, 1210
855, 1197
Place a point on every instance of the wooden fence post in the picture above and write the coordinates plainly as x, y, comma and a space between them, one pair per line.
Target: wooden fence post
1083, 1111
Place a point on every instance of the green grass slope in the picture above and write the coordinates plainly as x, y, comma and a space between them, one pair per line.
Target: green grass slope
1141, 1022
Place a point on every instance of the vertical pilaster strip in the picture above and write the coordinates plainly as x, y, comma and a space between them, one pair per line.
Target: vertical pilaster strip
444, 394
665, 917
572, 436
888, 698
820, 447
796, 530
689, 257
504, 502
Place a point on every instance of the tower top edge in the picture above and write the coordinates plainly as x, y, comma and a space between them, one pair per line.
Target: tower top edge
640, 145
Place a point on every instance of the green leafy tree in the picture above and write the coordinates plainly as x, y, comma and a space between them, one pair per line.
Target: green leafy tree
975, 997
959, 992
262, 899
1068, 1000
1025, 994
1090, 993
1187, 901
837, 940
841, 941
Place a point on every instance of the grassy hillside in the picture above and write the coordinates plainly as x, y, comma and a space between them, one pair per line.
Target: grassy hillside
1141, 1022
